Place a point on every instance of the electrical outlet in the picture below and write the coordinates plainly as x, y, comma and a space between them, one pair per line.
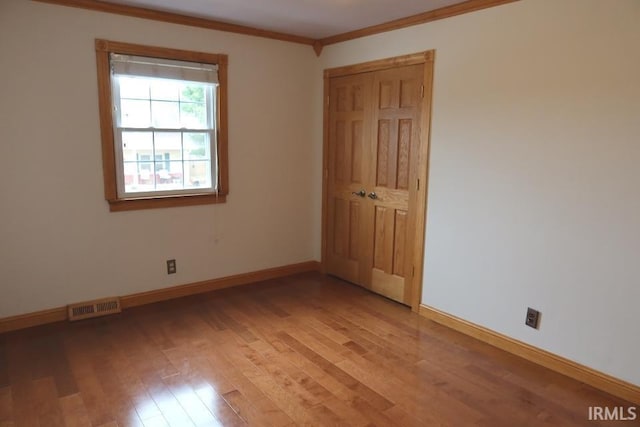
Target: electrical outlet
171, 266
533, 317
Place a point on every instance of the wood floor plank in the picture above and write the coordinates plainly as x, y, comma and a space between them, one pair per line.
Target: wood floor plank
134, 388
412, 397
151, 366
336, 372
218, 406
302, 350
338, 412
19, 359
247, 411
347, 414
74, 411
122, 408
62, 374
257, 371
45, 403
6, 405
156, 421
190, 402
427, 418
171, 409
23, 413
345, 399
4, 363
92, 394
310, 391
209, 382
247, 400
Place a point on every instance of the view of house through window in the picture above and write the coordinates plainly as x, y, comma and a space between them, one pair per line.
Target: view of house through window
164, 127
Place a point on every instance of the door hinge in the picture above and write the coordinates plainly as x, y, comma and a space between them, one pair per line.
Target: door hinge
413, 271
422, 91
418, 187
327, 100
326, 173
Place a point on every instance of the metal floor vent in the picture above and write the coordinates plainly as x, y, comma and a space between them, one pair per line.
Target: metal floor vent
101, 307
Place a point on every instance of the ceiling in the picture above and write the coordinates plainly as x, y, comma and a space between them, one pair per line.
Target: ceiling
315, 19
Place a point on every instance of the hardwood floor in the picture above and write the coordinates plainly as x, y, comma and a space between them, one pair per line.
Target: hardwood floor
305, 350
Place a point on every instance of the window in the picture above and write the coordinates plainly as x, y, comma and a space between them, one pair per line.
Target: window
163, 125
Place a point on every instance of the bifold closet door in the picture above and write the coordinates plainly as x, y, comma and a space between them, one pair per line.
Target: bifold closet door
374, 145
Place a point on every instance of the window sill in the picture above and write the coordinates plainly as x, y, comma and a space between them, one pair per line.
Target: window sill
120, 205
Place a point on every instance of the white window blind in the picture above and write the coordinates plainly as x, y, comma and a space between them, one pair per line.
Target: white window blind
129, 65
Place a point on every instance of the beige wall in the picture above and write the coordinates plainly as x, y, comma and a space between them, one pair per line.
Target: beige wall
534, 192
58, 241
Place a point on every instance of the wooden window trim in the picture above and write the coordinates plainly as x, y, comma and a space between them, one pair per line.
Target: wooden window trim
103, 49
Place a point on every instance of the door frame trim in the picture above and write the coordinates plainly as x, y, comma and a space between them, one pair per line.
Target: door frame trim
427, 58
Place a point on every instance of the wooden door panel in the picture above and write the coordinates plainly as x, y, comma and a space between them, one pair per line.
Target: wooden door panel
396, 118
405, 137
346, 238
389, 244
383, 239
350, 95
349, 140
354, 231
410, 89
340, 155
340, 227
348, 134
397, 131
399, 243
386, 153
388, 285
394, 152
357, 142
392, 198
386, 94
390, 266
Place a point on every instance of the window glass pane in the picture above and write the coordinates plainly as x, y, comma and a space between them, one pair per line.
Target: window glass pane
193, 115
130, 172
169, 175
197, 146
138, 176
163, 179
197, 174
167, 90
193, 106
135, 113
175, 169
145, 173
165, 114
135, 88
168, 146
136, 144
192, 93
